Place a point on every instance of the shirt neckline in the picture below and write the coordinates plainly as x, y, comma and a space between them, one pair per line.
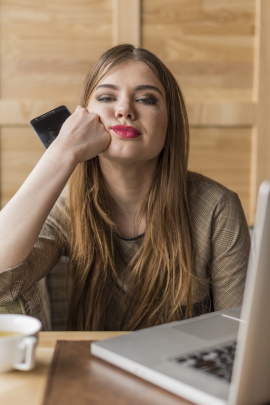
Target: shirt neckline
131, 239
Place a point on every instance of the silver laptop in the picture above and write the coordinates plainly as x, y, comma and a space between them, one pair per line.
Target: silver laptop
187, 357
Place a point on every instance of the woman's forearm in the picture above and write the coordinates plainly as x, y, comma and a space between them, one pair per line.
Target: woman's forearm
82, 137
24, 215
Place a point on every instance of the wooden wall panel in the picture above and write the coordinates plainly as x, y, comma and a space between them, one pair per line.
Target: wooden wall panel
223, 154
46, 50
207, 44
127, 22
261, 133
221, 113
20, 151
47, 47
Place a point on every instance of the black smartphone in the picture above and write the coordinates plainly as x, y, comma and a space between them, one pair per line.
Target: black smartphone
47, 126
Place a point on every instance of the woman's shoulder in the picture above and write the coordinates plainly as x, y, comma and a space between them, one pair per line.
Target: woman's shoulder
208, 191
214, 207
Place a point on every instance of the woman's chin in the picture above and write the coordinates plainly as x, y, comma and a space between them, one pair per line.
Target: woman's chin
121, 154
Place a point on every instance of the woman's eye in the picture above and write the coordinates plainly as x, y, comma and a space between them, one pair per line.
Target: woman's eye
105, 99
147, 100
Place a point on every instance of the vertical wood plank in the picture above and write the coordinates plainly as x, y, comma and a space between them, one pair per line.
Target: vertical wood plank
261, 133
223, 154
127, 22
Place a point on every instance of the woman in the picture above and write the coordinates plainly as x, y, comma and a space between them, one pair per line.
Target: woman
149, 242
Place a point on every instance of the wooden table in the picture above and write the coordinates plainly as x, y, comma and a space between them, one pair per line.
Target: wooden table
27, 388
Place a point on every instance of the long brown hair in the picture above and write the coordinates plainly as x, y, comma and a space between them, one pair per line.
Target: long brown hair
161, 270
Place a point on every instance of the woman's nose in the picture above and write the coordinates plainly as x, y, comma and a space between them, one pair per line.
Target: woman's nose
125, 110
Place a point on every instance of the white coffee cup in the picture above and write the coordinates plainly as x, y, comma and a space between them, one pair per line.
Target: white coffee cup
18, 339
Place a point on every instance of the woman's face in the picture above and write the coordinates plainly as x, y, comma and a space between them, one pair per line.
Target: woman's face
131, 104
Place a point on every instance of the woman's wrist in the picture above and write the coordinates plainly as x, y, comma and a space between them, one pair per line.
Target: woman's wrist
61, 158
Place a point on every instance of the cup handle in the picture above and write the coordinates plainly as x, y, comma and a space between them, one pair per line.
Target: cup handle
27, 347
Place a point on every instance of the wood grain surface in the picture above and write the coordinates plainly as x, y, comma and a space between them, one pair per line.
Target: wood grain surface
78, 378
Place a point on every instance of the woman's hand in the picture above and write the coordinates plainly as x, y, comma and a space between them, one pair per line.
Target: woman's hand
81, 138
82, 135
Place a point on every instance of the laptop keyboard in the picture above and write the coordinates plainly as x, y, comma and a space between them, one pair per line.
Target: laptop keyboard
217, 361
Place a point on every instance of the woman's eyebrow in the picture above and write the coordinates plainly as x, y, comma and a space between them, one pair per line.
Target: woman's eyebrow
140, 87
108, 86
149, 87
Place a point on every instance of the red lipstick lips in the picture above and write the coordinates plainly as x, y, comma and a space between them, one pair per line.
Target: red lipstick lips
125, 131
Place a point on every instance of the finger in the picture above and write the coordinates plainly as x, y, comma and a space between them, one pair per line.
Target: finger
78, 107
